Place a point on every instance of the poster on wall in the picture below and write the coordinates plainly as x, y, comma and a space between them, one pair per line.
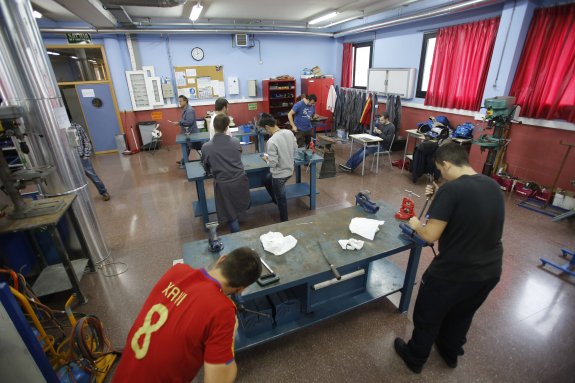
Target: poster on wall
200, 82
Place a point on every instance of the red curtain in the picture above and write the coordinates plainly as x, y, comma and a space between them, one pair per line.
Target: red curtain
460, 64
544, 83
347, 66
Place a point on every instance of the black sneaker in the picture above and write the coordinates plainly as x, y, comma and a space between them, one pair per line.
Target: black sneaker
345, 168
449, 360
401, 350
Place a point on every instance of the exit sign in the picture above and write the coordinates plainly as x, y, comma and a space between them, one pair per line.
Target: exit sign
79, 38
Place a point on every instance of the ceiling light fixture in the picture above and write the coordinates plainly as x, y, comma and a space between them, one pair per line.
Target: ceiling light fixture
74, 57
322, 18
37, 15
53, 53
196, 11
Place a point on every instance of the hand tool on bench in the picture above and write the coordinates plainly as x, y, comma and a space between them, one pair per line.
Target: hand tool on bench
267, 279
333, 269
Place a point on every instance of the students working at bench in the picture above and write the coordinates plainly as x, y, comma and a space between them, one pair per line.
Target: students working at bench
222, 157
188, 321
221, 107
280, 151
300, 117
466, 216
187, 125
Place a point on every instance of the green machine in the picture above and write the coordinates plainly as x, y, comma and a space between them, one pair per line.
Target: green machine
499, 118
499, 106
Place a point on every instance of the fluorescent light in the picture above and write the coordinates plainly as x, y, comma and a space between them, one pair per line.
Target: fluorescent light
37, 14
93, 61
196, 11
323, 18
74, 57
53, 53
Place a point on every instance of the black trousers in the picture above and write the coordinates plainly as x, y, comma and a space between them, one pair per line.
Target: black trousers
443, 314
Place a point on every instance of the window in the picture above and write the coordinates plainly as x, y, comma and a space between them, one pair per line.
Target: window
362, 54
427, 51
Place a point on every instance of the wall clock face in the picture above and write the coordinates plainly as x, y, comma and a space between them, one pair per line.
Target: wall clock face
198, 54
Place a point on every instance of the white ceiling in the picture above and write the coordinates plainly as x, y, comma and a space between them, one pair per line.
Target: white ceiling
229, 12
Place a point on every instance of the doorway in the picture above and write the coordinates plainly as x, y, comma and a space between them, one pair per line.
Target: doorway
84, 80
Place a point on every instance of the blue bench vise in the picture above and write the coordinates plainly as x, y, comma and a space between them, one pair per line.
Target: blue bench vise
362, 199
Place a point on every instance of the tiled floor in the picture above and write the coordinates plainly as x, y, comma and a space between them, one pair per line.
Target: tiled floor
523, 333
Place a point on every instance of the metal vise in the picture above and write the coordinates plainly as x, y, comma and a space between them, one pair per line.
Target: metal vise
362, 199
214, 243
410, 234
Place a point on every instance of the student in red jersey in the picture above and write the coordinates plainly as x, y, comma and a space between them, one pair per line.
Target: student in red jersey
188, 321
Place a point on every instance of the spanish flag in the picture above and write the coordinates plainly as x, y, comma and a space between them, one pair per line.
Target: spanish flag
366, 114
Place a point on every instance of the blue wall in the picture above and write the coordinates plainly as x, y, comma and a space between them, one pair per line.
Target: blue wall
397, 46
280, 55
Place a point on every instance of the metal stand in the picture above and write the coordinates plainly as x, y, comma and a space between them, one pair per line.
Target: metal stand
566, 268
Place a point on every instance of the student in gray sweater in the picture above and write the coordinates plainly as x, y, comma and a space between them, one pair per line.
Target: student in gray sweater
281, 148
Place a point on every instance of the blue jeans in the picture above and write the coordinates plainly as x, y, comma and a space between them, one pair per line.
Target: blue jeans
91, 174
357, 158
277, 190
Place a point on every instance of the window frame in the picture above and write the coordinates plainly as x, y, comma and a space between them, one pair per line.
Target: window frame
426, 37
361, 45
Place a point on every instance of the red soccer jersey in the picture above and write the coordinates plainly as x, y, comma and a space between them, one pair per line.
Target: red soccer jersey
186, 321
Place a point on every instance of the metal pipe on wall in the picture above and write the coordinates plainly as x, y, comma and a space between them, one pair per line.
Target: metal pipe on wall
27, 80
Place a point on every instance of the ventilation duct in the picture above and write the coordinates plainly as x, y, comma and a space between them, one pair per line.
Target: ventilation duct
145, 3
242, 40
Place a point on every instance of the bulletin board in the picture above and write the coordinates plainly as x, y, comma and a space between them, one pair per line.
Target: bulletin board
200, 82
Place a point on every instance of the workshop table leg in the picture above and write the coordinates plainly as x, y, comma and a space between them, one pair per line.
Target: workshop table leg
185, 153
31, 234
312, 186
298, 174
261, 142
202, 202
409, 280
67, 264
81, 239
363, 162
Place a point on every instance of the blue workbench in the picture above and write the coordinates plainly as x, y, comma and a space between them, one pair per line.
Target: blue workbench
183, 139
305, 275
256, 169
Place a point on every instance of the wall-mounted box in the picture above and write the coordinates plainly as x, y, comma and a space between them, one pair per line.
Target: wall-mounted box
399, 81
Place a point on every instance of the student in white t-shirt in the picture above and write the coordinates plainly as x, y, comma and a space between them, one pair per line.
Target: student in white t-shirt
221, 106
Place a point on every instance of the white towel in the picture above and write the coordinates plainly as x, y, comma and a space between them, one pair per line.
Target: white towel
365, 227
351, 244
276, 243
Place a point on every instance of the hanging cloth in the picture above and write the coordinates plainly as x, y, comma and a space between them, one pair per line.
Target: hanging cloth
366, 114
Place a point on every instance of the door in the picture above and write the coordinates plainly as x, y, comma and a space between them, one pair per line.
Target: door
100, 115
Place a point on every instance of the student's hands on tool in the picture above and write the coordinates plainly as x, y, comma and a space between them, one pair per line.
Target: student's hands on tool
430, 189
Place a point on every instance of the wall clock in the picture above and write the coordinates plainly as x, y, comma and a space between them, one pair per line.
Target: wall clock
198, 54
